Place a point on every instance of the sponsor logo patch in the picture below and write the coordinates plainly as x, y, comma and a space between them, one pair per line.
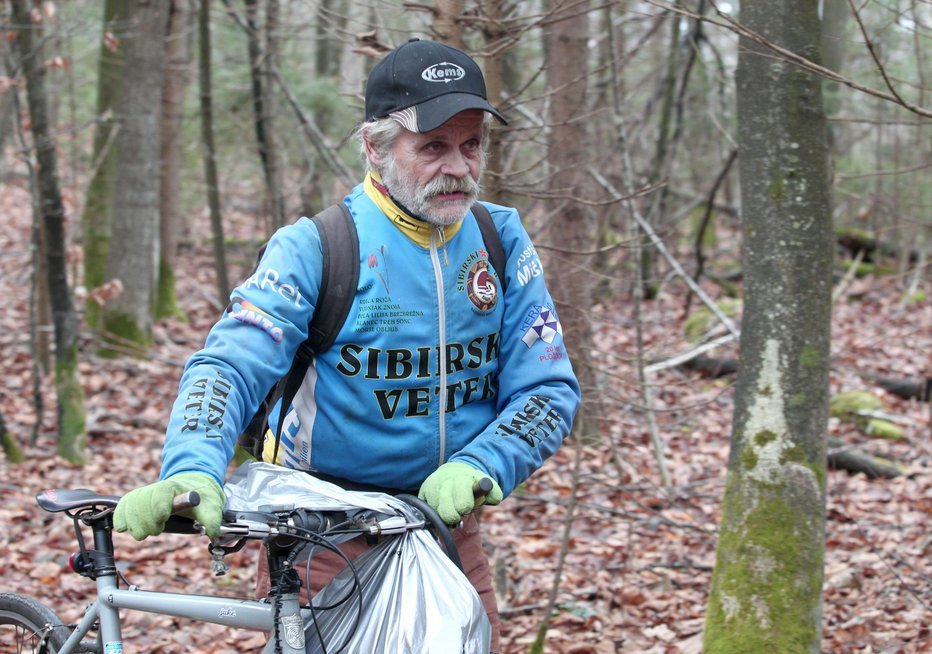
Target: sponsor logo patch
249, 314
481, 287
544, 326
478, 281
443, 72
528, 265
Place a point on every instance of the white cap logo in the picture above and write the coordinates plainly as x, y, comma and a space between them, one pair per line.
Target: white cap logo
443, 72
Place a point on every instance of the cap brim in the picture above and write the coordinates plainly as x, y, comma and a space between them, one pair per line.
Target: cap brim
435, 112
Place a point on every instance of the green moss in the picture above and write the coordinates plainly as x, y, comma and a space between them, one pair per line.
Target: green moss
72, 438
748, 458
702, 319
854, 233
777, 189
793, 454
764, 437
809, 357
846, 406
797, 400
764, 588
882, 429
166, 303
122, 329
11, 448
916, 298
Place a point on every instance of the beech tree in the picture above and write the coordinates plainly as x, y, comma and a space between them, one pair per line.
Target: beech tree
134, 247
767, 583
567, 152
71, 435
98, 202
177, 72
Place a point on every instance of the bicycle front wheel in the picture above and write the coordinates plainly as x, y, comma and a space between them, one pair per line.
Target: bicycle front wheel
28, 626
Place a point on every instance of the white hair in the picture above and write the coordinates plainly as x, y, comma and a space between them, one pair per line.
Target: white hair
381, 134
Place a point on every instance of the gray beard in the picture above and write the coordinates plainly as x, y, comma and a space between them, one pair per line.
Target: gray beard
417, 200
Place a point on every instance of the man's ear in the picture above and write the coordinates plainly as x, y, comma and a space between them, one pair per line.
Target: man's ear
372, 152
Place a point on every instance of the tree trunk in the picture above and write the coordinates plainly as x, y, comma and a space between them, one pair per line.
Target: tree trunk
6, 108
134, 251
71, 435
660, 165
494, 68
97, 216
568, 151
11, 449
447, 26
177, 68
766, 588
210, 162
331, 19
260, 63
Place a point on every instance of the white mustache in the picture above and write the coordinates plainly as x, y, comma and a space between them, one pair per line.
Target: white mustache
445, 184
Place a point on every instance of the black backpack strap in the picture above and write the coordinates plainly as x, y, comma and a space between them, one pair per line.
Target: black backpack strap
493, 242
339, 278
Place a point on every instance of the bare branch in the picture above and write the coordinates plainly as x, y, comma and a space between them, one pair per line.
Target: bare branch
732, 25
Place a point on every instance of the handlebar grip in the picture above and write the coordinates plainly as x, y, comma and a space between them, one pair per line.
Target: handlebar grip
184, 501
482, 487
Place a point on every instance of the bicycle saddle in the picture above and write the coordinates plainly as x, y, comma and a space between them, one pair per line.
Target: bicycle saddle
55, 500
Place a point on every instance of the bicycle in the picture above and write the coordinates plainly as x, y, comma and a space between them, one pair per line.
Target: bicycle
286, 531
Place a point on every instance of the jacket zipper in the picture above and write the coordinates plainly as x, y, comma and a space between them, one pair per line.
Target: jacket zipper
442, 355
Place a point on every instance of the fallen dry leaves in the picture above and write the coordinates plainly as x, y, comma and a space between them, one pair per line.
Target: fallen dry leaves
639, 557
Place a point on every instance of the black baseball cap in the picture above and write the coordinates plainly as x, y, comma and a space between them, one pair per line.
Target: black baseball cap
430, 80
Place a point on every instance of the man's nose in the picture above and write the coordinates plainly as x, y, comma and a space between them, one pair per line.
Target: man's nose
455, 165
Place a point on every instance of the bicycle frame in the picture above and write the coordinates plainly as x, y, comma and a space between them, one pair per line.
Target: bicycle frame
291, 626
257, 615
230, 612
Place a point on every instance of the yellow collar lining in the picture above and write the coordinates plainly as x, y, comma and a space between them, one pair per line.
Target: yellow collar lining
415, 229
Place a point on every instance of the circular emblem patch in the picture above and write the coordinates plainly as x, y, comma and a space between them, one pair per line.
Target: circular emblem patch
481, 287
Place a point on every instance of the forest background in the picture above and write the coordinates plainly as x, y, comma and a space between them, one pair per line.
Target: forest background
181, 134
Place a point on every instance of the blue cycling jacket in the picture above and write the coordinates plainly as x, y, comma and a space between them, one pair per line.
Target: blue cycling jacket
433, 364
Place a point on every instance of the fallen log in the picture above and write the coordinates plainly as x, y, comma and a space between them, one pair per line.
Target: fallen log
848, 458
711, 366
910, 389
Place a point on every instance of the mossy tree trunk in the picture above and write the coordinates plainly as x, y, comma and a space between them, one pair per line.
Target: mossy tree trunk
71, 435
134, 246
177, 73
209, 150
98, 201
767, 584
11, 449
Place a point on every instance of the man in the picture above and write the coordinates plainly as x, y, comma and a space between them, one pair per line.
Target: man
437, 378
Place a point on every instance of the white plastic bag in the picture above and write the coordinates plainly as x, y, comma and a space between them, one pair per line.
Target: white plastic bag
414, 599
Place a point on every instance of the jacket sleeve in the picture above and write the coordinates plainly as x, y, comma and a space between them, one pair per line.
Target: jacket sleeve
246, 352
538, 393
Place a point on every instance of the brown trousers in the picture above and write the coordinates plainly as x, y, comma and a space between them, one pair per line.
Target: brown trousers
326, 565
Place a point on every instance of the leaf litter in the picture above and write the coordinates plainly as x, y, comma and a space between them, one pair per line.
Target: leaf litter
639, 558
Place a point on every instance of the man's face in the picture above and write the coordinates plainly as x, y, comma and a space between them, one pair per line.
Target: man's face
436, 174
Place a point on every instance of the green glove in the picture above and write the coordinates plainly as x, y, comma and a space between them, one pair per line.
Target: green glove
449, 490
144, 511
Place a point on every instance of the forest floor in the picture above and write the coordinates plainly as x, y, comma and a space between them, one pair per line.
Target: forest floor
639, 556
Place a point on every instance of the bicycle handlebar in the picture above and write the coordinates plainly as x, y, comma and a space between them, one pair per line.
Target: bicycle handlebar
482, 487
184, 501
